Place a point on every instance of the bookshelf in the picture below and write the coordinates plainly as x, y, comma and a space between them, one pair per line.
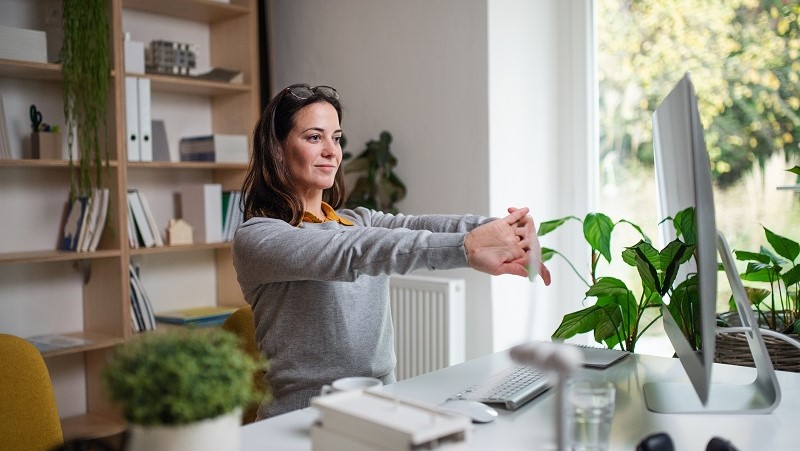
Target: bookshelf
86, 295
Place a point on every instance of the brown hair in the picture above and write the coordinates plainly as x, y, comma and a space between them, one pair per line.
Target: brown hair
268, 187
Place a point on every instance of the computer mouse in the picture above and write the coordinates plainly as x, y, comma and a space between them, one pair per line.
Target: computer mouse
477, 411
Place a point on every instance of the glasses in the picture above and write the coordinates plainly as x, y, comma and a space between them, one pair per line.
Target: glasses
303, 92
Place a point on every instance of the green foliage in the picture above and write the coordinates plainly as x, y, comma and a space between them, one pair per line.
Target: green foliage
86, 71
616, 317
378, 187
180, 377
777, 270
744, 57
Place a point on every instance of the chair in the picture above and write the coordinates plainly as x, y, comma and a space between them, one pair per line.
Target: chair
241, 324
28, 411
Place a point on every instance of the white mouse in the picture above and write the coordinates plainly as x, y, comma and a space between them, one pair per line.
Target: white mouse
478, 412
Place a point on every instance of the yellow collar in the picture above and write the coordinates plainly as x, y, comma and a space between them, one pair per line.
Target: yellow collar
330, 215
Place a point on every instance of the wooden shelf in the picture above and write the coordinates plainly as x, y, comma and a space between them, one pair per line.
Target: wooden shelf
90, 426
789, 187
98, 341
54, 256
187, 85
38, 164
193, 165
198, 10
30, 70
180, 248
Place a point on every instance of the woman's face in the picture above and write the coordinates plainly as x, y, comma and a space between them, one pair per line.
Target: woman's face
312, 149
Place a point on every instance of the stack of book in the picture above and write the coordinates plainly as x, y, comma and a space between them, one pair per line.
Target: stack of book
84, 222
142, 317
217, 148
196, 316
142, 228
232, 214
5, 146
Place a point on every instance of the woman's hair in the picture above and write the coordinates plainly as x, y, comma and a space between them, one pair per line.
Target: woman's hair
268, 188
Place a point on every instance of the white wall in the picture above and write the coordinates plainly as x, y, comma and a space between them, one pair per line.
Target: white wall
474, 94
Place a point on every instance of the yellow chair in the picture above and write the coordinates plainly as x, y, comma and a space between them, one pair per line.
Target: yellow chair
28, 411
241, 323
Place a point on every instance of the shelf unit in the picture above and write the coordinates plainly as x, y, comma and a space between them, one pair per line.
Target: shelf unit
97, 283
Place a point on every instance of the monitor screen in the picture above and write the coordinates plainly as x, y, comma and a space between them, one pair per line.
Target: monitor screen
683, 175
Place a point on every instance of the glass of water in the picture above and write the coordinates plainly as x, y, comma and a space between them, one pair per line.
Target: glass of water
589, 412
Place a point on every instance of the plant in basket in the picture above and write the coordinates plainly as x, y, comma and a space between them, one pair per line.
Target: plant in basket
771, 279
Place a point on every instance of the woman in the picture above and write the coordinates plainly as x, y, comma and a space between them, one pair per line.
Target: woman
316, 277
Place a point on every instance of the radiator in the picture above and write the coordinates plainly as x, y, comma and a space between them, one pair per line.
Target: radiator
428, 316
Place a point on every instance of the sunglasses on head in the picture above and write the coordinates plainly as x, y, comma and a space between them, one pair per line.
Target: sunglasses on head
303, 92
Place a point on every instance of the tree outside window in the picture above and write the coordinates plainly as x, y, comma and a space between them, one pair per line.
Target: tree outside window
744, 58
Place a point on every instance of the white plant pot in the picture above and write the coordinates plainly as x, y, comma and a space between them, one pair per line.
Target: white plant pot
214, 434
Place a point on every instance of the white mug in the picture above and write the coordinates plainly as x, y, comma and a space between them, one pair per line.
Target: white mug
350, 383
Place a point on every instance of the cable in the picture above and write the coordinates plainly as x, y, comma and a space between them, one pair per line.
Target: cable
769, 332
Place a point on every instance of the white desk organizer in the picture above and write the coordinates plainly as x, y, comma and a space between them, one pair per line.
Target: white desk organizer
364, 420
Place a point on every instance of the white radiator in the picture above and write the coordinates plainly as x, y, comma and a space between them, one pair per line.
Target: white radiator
428, 316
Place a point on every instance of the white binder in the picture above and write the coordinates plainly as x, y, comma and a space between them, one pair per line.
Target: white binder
137, 119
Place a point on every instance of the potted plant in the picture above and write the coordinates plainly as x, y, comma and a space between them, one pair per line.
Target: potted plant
182, 390
378, 187
772, 279
616, 318
86, 72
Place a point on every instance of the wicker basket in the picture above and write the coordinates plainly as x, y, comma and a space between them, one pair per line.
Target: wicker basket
733, 349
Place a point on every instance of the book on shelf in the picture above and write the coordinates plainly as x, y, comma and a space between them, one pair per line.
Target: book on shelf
142, 318
196, 316
72, 224
217, 74
201, 205
232, 214
23, 44
53, 342
143, 229
219, 148
5, 146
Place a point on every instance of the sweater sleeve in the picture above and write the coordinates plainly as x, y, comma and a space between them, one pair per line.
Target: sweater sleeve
269, 250
433, 223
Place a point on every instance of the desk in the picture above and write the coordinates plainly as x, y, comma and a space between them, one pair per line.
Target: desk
532, 426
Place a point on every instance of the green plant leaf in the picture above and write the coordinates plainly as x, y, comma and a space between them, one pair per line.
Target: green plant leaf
791, 276
759, 272
578, 322
783, 246
646, 259
548, 226
597, 229
774, 258
746, 255
547, 254
608, 323
795, 170
359, 164
685, 226
756, 295
671, 257
607, 286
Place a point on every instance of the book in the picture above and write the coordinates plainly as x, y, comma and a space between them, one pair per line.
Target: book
100, 223
219, 148
198, 316
54, 342
201, 205
5, 146
23, 44
71, 231
142, 317
151, 220
217, 74
141, 224
92, 211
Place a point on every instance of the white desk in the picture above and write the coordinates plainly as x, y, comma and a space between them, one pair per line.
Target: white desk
531, 426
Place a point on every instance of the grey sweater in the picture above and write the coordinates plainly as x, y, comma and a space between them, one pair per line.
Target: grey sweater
320, 292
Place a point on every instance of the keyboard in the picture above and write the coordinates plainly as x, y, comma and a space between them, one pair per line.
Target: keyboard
512, 387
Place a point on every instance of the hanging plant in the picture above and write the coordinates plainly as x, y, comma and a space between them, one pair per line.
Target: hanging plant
86, 68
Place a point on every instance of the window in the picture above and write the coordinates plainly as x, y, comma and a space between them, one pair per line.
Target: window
743, 57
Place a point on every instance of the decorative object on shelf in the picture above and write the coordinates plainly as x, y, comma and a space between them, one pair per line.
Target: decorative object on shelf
170, 57
182, 389
179, 232
773, 279
45, 138
379, 188
616, 318
134, 55
86, 69
219, 148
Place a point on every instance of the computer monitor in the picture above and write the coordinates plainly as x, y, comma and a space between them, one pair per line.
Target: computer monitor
683, 175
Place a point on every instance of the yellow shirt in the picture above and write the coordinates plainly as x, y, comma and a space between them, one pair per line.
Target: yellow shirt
330, 215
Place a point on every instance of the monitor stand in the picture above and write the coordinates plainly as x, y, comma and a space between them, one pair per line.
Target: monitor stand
760, 396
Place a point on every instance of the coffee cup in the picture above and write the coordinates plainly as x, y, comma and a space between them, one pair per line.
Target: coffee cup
350, 383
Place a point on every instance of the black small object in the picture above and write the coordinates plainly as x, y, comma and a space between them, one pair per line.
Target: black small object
720, 444
660, 441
